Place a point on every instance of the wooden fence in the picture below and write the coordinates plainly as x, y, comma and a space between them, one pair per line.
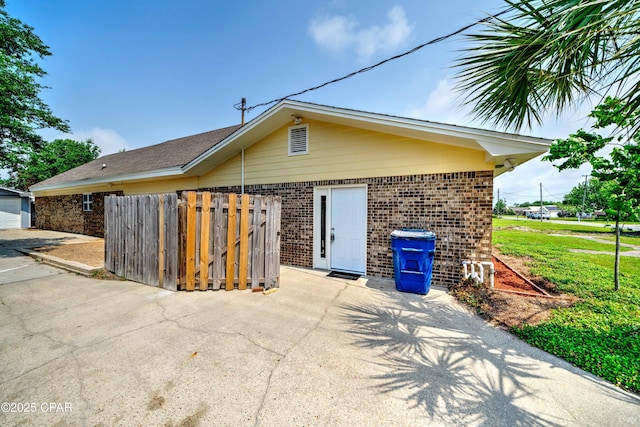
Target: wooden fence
141, 238
184, 244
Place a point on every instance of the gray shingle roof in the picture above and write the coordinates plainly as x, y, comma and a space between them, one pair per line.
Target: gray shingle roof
173, 153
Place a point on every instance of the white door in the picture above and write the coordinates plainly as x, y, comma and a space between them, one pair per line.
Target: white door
349, 229
10, 212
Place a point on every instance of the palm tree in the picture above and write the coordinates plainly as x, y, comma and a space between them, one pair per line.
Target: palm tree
544, 55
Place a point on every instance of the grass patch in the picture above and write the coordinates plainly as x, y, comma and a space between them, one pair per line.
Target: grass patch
550, 226
601, 333
551, 243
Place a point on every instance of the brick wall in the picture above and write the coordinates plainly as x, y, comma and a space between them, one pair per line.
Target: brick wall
456, 206
64, 213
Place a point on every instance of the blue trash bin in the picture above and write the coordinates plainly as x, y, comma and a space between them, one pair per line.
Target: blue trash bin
413, 252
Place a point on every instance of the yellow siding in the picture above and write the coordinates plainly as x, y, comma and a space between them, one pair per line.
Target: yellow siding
341, 152
131, 188
335, 152
226, 174
161, 186
101, 188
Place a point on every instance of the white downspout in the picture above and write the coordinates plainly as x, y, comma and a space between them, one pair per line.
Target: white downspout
242, 173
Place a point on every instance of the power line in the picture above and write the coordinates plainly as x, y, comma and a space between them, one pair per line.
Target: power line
551, 194
371, 67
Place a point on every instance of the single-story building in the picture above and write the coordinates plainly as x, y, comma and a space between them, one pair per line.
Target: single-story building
15, 208
347, 179
548, 211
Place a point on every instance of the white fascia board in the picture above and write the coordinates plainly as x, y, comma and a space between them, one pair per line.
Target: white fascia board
158, 173
16, 192
500, 147
422, 125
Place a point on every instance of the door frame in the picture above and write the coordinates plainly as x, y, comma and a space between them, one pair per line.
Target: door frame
322, 259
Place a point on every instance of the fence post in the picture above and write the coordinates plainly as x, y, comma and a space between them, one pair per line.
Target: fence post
255, 242
231, 241
191, 240
161, 252
205, 227
218, 239
243, 262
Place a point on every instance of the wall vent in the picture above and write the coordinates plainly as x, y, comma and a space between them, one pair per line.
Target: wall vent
298, 140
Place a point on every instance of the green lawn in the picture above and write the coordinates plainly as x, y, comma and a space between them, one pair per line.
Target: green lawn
601, 333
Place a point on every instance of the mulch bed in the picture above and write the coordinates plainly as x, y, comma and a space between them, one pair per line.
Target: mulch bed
515, 299
508, 280
89, 253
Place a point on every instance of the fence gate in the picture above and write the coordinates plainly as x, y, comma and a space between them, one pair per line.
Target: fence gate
141, 239
202, 241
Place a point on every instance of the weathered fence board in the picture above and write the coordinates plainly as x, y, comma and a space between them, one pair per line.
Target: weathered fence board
233, 253
139, 244
202, 241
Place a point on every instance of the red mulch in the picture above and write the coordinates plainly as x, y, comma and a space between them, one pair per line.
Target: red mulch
505, 279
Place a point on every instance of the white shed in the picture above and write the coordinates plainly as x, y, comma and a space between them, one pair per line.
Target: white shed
15, 208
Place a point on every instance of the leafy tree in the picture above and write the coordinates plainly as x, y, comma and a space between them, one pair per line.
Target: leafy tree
596, 196
542, 55
500, 207
22, 112
619, 171
50, 159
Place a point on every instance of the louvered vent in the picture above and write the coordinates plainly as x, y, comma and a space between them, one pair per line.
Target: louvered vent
298, 140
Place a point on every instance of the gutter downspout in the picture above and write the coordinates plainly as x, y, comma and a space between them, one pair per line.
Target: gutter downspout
242, 174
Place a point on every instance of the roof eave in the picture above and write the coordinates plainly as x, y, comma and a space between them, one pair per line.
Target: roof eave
17, 192
152, 174
495, 144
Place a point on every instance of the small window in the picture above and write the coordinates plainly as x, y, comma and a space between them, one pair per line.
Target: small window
87, 202
298, 140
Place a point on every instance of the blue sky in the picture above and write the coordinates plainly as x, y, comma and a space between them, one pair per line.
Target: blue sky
138, 72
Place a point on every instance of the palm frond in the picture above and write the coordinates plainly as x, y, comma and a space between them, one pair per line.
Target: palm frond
546, 55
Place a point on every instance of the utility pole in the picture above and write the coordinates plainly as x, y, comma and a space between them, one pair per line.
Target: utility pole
584, 196
540, 202
241, 106
498, 204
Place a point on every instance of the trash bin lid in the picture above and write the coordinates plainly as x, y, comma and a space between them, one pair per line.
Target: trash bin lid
414, 234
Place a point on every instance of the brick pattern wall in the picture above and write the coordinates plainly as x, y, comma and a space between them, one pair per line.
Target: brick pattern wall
64, 213
296, 224
456, 206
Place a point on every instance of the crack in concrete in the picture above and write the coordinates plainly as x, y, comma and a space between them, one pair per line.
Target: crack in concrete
208, 332
21, 322
80, 378
295, 344
32, 278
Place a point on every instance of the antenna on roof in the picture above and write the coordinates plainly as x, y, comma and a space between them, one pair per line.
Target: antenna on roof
242, 106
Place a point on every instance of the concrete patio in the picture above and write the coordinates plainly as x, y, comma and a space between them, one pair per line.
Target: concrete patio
320, 351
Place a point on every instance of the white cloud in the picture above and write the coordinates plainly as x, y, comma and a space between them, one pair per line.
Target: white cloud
108, 140
441, 106
523, 184
340, 33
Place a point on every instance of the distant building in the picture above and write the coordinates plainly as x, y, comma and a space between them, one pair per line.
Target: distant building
547, 212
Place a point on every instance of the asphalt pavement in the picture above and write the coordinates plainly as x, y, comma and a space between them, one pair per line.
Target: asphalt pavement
319, 351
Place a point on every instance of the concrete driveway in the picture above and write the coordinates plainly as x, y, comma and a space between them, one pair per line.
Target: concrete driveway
320, 351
